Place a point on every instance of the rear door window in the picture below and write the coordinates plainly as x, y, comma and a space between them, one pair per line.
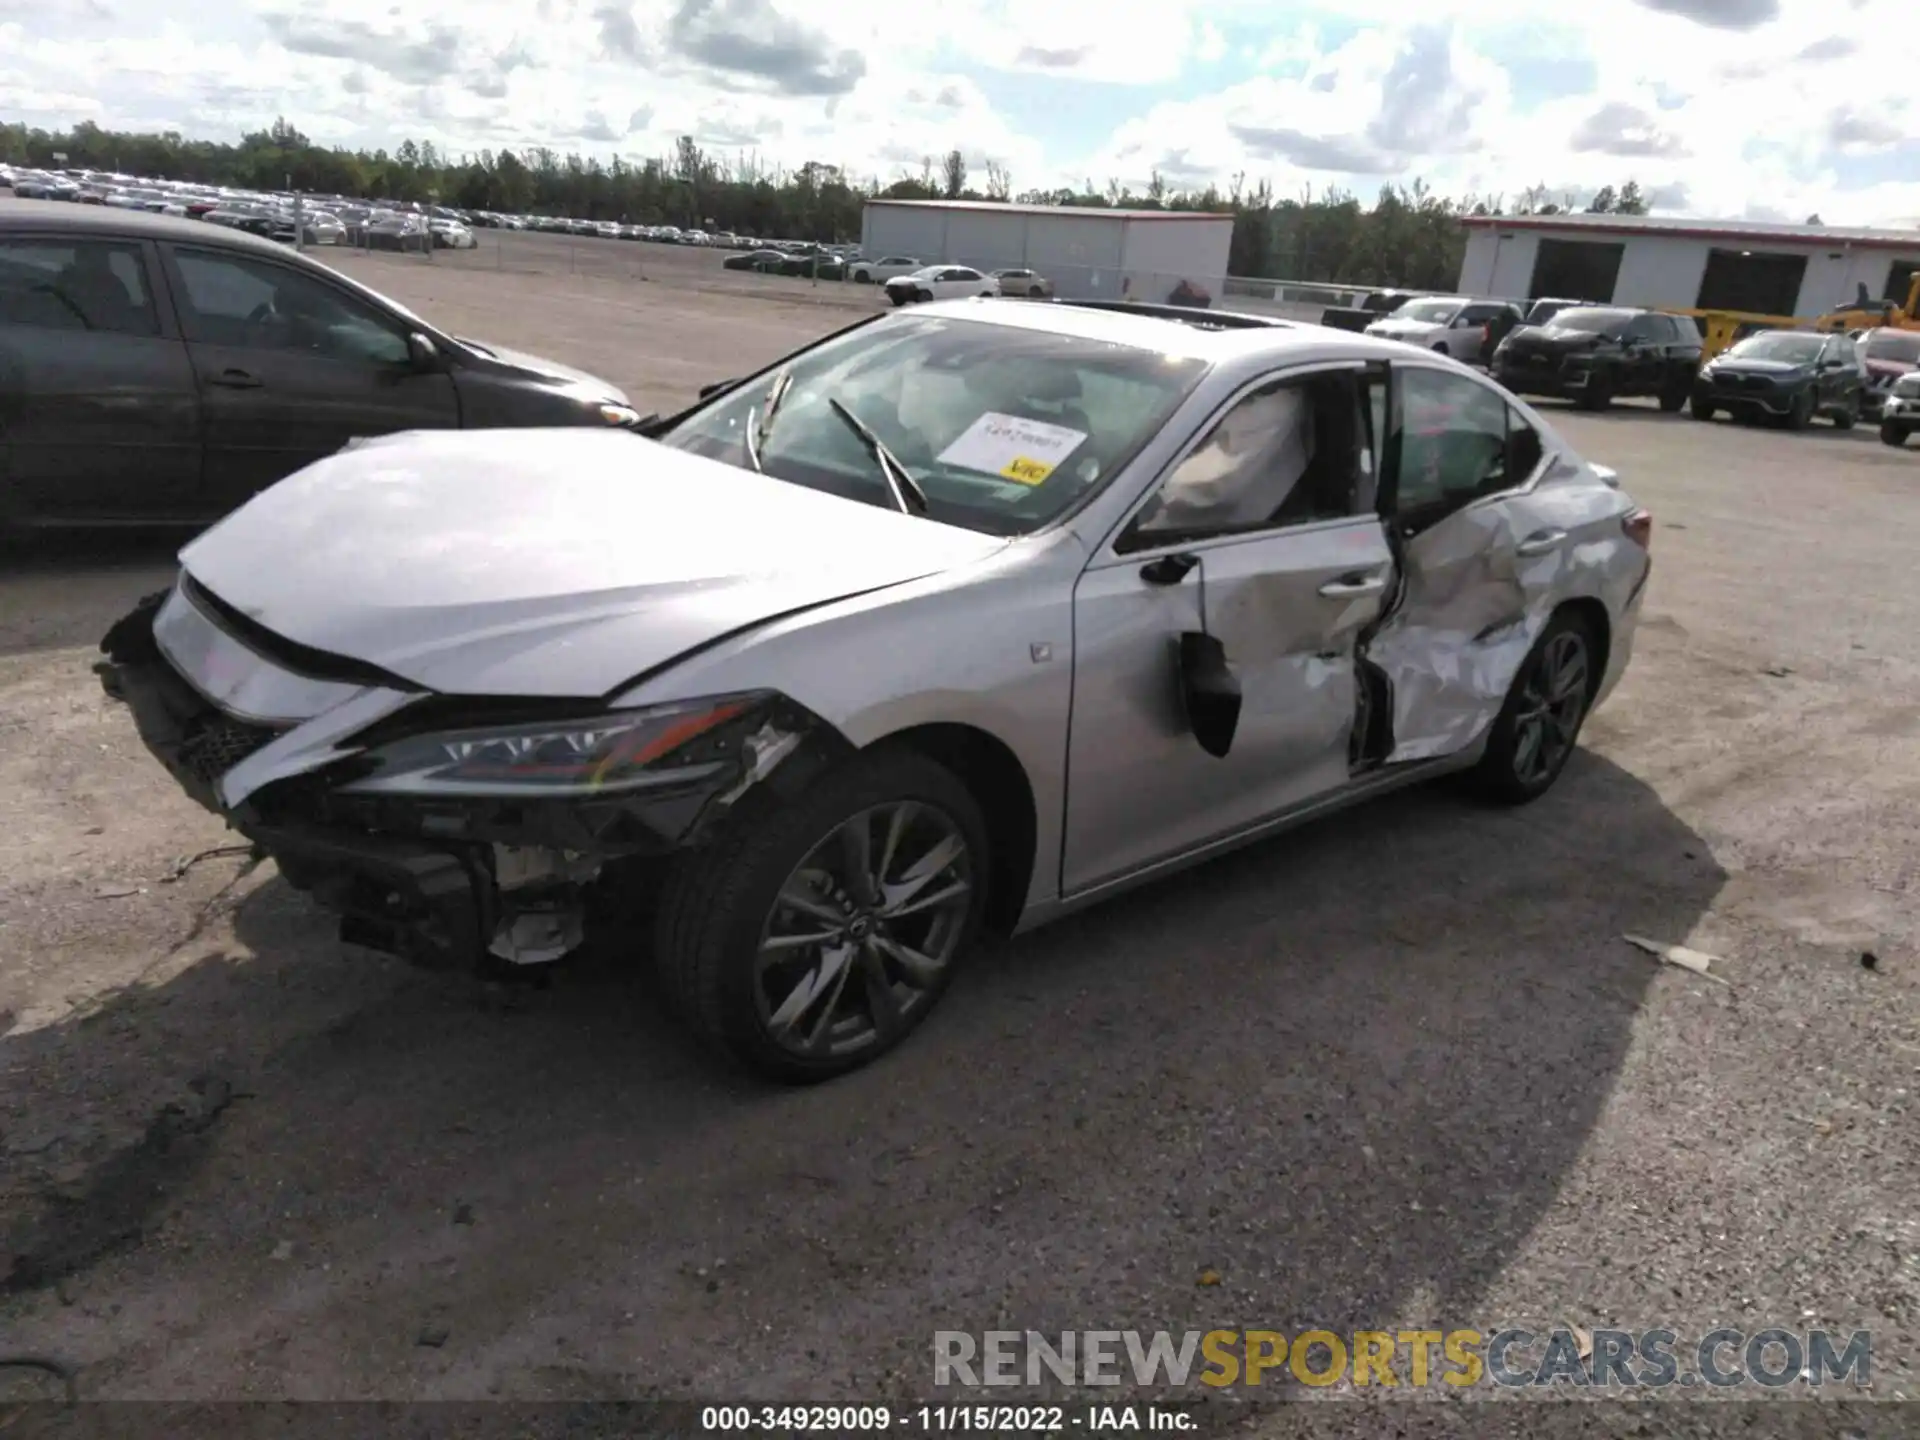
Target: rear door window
70, 284
1458, 441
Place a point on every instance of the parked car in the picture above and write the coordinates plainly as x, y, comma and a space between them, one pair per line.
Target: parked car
1785, 375
815, 261
466, 759
155, 369
768, 261
878, 272
1887, 354
394, 230
1029, 283
1900, 410
1539, 312
1451, 324
1594, 355
452, 235
939, 282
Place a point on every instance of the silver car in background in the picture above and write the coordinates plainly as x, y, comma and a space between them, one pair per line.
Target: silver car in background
959, 619
1451, 324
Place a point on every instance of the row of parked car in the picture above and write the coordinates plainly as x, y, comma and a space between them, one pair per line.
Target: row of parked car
1593, 355
290, 219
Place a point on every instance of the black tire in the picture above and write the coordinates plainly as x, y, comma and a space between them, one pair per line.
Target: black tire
900, 297
1674, 398
861, 277
924, 297
1597, 395
1800, 411
1895, 435
1036, 292
719, 898
1501, 777
1441, 350
1701, 410
1848, 415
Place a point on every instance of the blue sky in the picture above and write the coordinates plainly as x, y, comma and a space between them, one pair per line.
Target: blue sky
1728, 108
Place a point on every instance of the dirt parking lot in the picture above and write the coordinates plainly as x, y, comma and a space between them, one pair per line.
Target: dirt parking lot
1395, 1071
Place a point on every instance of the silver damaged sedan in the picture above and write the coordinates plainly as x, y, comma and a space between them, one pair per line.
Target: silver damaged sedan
956, 620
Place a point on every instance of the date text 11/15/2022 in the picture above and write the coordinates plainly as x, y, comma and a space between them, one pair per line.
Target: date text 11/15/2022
940, 1419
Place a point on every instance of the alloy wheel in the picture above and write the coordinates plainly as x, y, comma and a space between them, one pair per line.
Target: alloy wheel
1553, 699
864, 931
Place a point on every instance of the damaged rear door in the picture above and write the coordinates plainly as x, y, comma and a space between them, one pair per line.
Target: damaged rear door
1483, 554
1215, 635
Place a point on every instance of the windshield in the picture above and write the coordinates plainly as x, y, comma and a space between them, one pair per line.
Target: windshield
1898, 345
1004, 428
1590, 322
1786, 347
1429, 312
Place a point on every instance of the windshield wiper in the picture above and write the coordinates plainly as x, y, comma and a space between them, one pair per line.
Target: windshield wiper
904, 489
759, 425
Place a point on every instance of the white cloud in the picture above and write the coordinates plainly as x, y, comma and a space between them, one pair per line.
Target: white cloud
1739, 106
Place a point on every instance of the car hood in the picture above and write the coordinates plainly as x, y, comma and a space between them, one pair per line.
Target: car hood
544, 369
1738, 366
1564, 342
546, 562
1394, 329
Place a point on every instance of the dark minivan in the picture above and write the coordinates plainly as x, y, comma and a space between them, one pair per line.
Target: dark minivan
157, 370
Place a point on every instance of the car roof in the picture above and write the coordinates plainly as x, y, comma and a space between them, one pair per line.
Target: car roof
67, 218
1192, 339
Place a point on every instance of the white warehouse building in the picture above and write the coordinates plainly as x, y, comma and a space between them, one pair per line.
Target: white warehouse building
1677, 264
1088, 253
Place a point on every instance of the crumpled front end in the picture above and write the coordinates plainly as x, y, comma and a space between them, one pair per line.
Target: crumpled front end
453, 831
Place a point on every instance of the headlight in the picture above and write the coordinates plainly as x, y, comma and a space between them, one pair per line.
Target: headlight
595, 755
619, 414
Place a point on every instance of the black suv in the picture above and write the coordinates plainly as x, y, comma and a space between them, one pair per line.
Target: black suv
1596, 354
1788, 376
165, 370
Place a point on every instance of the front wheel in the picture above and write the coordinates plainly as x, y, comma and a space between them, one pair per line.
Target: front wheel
1800, 411
1597, 395
1847, 416
1536, 731
806, 941
1895, 435
861, 277
1701, 410
1674, 397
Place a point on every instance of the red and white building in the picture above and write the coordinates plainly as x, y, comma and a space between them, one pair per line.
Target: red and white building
1679, 264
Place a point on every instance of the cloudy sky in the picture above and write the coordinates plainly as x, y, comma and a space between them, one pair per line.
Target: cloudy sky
1769, 109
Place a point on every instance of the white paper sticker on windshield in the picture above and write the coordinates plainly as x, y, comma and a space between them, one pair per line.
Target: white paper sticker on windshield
1026, 451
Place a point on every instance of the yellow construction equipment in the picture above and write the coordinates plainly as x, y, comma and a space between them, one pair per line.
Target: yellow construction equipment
1722, 328
1869, 314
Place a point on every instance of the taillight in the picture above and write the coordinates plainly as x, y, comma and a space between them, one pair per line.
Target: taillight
1638, 527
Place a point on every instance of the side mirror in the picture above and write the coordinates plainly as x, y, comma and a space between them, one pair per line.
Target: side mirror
1210, 692
716, 387
424, 353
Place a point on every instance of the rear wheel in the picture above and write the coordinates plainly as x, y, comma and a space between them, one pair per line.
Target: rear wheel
1895, 435
1036, 292
807, 941
1538, 727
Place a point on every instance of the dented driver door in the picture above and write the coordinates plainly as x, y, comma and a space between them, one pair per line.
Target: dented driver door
1277, 554
1484, 555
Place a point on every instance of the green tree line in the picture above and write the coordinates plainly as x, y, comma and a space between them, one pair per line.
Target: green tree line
1407, 236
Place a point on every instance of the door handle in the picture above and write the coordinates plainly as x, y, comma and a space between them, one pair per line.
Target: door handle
1348, 587
236, 380
1541, 542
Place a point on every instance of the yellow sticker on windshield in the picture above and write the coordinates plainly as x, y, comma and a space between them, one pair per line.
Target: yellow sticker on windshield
1025, 471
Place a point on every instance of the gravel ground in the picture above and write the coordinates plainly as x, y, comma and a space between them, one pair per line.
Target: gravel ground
1395, 1071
